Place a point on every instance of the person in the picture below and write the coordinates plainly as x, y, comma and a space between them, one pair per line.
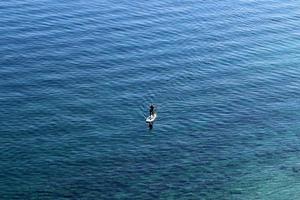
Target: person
151, 110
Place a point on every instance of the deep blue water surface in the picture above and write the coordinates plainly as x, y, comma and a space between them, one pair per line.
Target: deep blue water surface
76, 78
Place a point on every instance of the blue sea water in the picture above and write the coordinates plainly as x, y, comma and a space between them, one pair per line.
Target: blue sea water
77, 77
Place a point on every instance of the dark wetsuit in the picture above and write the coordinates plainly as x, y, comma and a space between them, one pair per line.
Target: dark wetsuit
150, 125
151, 110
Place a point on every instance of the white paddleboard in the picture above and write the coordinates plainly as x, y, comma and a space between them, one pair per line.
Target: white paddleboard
151, 118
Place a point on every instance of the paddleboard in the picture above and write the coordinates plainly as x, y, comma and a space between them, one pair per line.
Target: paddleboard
151, 118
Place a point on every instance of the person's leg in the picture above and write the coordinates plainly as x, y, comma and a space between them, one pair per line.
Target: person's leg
150, 125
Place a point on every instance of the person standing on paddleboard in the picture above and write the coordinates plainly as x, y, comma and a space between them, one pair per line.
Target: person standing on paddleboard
151, 110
